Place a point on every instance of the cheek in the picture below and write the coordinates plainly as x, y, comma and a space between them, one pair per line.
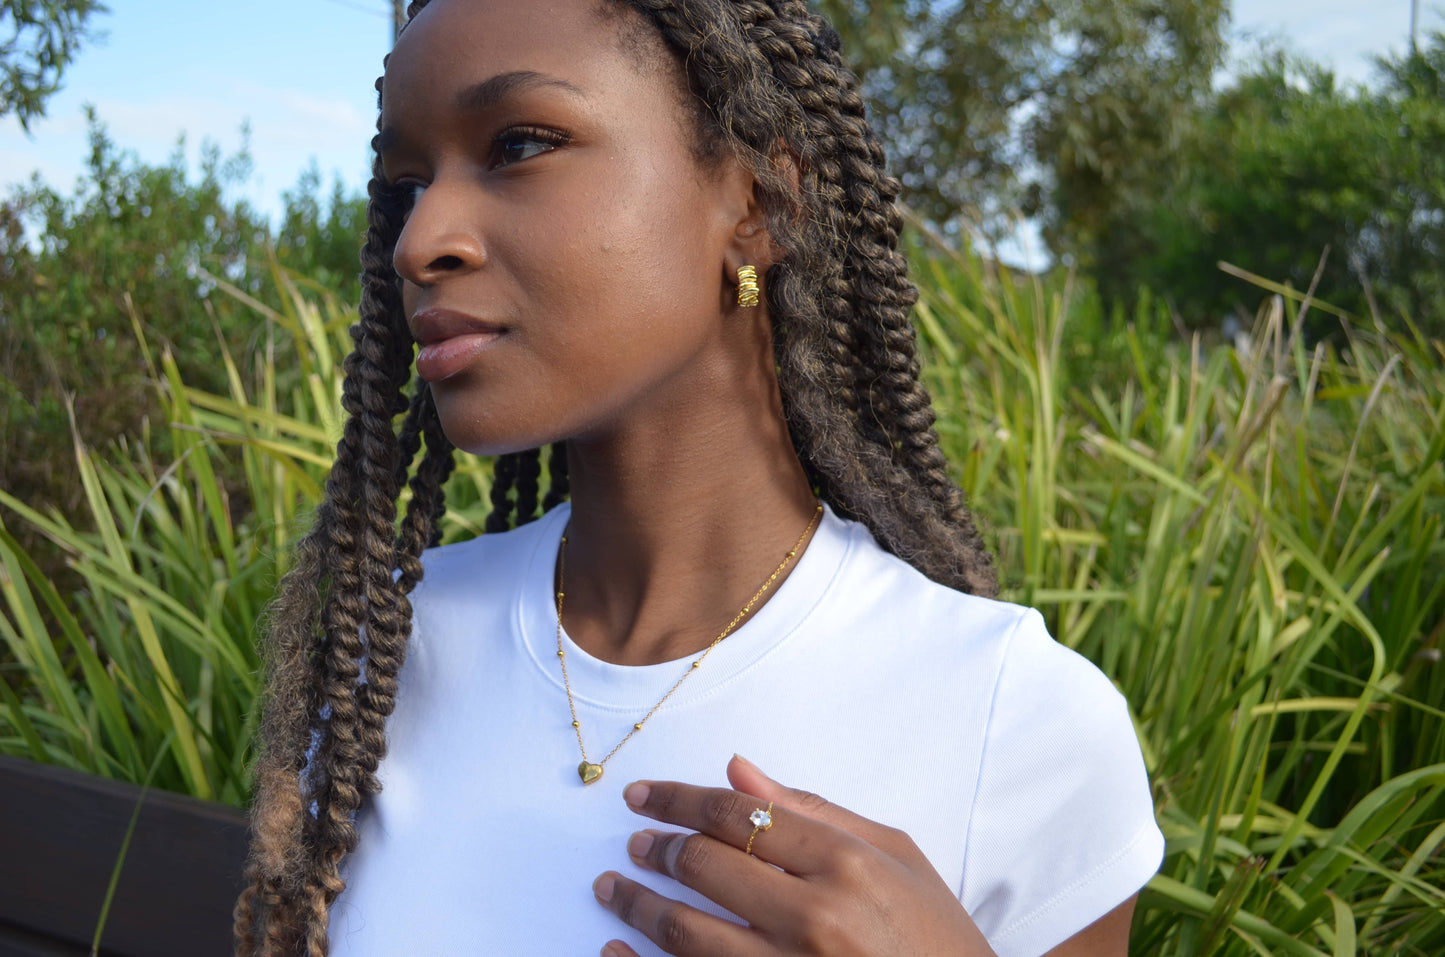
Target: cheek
615, 273
648, 251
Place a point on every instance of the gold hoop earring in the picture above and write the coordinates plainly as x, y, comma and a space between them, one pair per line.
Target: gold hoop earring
747, 287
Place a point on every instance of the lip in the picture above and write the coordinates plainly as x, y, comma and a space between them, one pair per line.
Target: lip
450, 341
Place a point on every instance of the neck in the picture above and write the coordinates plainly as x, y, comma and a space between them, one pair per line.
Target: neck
679, 516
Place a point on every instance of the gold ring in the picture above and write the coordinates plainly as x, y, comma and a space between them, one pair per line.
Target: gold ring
762, 821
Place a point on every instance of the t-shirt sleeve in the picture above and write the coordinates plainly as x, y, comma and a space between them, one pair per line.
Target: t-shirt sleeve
1062, 829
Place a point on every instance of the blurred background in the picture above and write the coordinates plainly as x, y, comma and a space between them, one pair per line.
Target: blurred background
1182, 314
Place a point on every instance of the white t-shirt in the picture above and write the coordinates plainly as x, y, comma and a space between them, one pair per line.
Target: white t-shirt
1009, 759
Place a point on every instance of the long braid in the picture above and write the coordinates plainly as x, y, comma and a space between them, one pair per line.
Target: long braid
529, 472
280, 865
408, 441
885, 292
938, 535
883, 278
421, 529
365, 595
274, 864
558, 484
861, 419
504, 477
345, 570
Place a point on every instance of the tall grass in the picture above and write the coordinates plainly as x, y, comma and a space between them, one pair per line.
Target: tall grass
154, 659
1249, 543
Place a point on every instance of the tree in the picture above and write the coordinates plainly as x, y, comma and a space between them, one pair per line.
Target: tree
72, 269
1283, 165
143, 240
322, 240
40, 39
1136, 75
987, 107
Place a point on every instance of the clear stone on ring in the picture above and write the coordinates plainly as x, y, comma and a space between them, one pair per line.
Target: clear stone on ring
761, 818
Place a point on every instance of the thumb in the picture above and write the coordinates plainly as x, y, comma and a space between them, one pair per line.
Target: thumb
748, 778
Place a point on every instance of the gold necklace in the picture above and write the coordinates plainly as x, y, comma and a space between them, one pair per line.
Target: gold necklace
590, 772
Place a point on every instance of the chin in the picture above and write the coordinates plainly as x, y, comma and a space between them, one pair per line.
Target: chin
475, 442
488, 433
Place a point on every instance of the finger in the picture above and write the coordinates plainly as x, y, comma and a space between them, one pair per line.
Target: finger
673, 926
760, 894
748, 778
794, 842
616, 948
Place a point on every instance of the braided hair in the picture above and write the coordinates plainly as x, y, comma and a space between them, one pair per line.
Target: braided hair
770, 87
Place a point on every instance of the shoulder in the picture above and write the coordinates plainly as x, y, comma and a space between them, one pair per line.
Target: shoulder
882, 596
484, 566
876, 584
1062, 828
998, 656
1061, 822
1035, 686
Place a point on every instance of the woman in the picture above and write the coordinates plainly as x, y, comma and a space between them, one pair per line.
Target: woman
762, 552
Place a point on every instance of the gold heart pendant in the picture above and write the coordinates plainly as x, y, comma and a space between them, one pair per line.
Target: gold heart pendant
589, 772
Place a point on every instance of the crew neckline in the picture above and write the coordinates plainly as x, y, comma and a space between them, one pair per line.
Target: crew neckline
623, 688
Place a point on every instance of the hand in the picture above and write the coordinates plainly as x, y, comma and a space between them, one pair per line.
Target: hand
847, 885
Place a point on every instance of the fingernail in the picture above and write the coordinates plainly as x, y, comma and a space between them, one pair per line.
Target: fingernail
636, 794
610, 951
602, 887
752, 765
639, 844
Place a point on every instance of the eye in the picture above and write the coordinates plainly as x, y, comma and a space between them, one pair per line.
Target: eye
524, 142
405, 194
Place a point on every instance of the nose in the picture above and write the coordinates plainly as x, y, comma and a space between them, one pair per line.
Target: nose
438, 239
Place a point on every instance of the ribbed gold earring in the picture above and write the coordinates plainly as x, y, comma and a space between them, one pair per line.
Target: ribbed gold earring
747, 286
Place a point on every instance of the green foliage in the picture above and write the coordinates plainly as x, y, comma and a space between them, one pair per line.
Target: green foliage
1247, 543
321, 239
1285, 166
135, 240
131, 237
150, 666
43, 38
989, 107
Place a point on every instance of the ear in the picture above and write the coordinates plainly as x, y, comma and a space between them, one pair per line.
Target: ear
751, 242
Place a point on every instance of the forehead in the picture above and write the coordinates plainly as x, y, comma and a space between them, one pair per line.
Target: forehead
593, 44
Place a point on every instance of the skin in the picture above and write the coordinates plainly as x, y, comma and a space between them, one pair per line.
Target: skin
568, 207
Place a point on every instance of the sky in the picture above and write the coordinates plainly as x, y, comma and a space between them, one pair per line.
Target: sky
302, 73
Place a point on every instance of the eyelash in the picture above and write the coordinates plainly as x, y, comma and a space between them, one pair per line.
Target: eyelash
522, 134
549, 138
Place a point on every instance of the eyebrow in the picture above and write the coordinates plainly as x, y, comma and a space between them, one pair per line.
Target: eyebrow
490, 92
